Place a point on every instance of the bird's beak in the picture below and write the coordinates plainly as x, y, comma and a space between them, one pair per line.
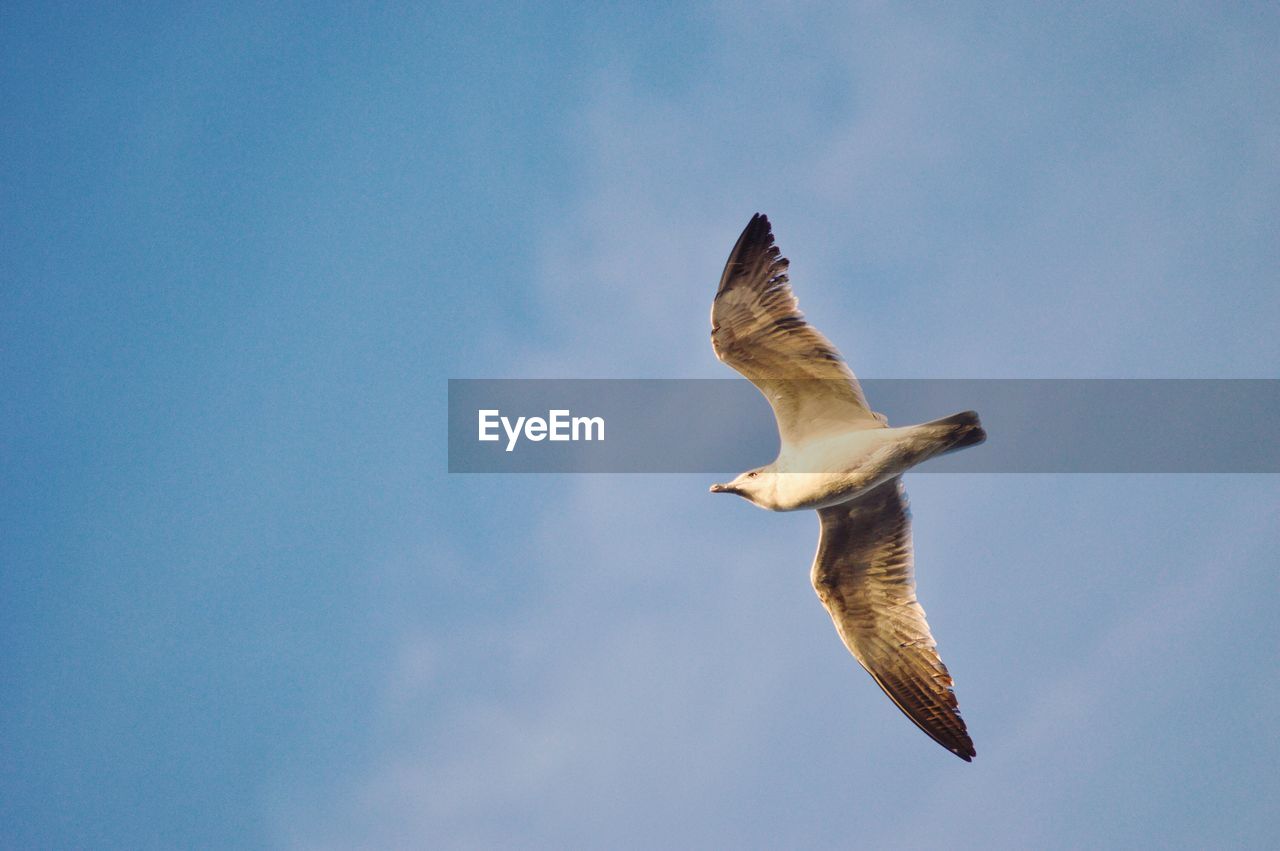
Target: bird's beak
723, 489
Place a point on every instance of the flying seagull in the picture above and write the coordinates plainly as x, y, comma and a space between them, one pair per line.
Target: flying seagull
843, 459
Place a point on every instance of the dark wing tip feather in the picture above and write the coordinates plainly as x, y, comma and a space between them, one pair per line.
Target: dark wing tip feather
951, 732
755, 257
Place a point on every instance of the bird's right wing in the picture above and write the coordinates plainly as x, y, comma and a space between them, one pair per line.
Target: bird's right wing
757, 328
863, 574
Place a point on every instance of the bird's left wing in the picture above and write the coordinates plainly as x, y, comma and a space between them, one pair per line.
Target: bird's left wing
757, 328
863, 574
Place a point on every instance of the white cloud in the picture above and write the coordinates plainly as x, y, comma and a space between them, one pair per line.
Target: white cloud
675, 680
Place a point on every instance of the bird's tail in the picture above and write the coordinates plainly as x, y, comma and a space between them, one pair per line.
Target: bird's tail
957, 431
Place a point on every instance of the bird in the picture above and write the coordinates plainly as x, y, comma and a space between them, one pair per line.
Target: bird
843, 460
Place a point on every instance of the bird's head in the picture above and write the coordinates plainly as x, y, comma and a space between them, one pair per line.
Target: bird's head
752, 485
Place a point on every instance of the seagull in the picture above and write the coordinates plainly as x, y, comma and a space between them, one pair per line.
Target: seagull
839, 457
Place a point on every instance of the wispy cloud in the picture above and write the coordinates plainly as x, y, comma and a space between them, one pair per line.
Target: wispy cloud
670, 677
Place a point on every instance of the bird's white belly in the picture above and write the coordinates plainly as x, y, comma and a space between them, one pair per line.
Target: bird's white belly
839, 469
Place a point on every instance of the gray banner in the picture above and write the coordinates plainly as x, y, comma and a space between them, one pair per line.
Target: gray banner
723, 426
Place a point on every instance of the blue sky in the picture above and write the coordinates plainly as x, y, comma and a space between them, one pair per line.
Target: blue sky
243, 605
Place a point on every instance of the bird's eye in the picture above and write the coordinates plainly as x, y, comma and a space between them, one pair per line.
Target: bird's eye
752, 474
